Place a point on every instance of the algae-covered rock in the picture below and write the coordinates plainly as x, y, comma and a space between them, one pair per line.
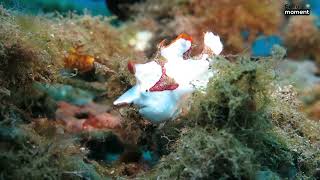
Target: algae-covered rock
242, 121
35, 157
32, 57
207, 155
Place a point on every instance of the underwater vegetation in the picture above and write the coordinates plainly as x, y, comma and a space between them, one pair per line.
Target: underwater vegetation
61, 73
30, 53
33, 81
243, 128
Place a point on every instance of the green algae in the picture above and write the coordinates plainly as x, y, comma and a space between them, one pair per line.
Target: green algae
203, 155
235, 120
31, 54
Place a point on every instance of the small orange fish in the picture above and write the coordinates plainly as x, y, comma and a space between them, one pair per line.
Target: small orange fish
76, 60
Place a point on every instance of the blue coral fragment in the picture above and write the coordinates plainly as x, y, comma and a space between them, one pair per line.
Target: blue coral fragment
66, 93
314, 6
315, 10
262, 46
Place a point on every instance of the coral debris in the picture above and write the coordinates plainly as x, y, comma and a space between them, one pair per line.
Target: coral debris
86, 118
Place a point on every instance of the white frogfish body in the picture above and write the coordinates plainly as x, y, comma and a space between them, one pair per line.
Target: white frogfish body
161, 85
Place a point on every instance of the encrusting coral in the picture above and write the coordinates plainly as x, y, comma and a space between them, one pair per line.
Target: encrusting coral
230, 19
311, 100
303, 38
238, 23
94, 117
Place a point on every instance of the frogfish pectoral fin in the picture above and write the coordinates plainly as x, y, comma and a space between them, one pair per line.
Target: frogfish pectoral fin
128, 97
213, 44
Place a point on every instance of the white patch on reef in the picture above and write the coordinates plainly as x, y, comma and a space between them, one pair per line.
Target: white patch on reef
141, 40
300, 73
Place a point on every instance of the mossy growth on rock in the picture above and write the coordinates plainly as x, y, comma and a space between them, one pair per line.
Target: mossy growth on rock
234, 129
205, 154
29, 52
32, 49
28, 154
